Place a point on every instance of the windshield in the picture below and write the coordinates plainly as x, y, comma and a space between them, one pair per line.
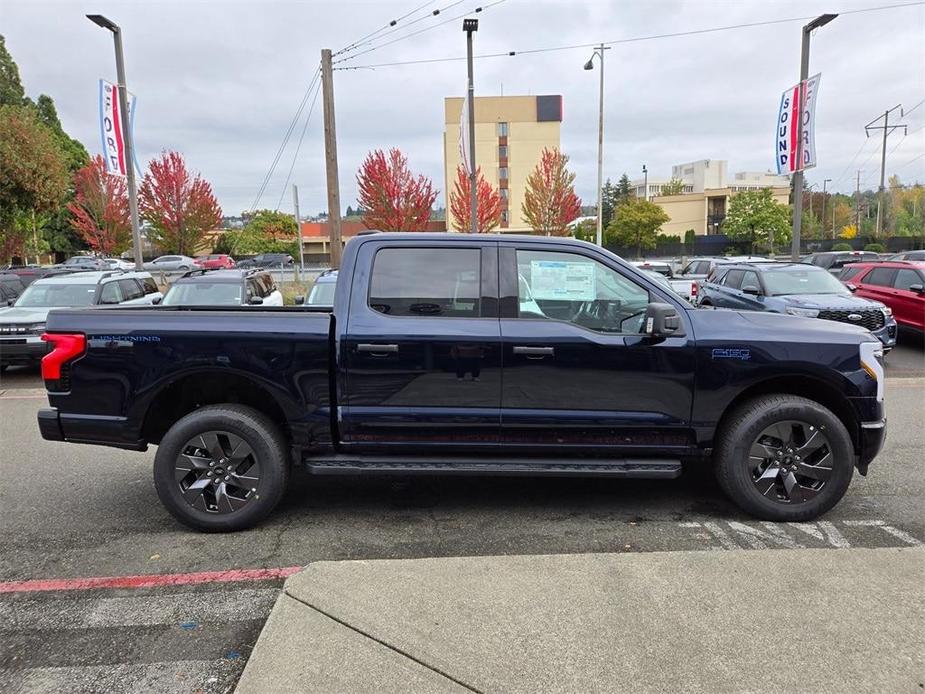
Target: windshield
322, 294
57, 295
204, 294
780, 282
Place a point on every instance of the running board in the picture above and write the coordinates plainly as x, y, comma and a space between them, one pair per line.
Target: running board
637, 468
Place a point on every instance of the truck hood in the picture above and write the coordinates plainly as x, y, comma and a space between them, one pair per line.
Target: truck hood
24, 315
760, 326
837, 302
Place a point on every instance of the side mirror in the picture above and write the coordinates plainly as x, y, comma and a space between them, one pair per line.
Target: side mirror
255, 300
751, 289
917, 288
156, 300
662, 320
852, 287
299, 300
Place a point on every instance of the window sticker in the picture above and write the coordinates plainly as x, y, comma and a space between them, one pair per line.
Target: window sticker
566, 281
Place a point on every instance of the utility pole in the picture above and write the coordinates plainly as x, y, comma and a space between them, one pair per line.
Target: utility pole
599, 236
857, 206
470, 26
645, 181
824, 182
808, 29
887, 129
330, 156
298, 229
105, 23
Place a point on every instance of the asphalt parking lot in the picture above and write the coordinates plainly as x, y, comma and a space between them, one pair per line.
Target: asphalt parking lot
72, 513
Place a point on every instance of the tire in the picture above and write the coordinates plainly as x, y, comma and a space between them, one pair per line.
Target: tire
704, 303
780, 470
184, 268
196, 499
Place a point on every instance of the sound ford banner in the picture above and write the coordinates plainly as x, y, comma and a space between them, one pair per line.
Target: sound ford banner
794, 101
112, 133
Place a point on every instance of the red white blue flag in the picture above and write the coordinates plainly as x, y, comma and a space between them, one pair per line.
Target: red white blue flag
112, 130
798, 101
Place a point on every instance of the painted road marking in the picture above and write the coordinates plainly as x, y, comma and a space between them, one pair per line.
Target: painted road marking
729, 535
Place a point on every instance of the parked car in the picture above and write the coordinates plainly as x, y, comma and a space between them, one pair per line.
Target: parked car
900, 285
22, 325
118, 264
433, 360
268, 260
216, 261
834, 261
798, 290
27, 274
171, 263
83, 262
322, 293
11, 286
224, 288
699, 269
908, 255
682, 287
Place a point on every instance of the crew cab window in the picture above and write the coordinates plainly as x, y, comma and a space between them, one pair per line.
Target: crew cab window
717, 276
881, 277
110, 293
426, 282
130, 290
573, 288
906, 278
750, 279
733, 279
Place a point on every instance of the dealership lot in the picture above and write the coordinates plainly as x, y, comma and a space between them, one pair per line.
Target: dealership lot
73, 512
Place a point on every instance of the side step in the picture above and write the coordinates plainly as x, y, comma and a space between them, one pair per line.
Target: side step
352, 464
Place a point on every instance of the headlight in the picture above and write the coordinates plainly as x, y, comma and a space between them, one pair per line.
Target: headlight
871, 354
37, 328
887, 311
805, 312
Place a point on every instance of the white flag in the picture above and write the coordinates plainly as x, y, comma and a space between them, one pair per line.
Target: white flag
464, 134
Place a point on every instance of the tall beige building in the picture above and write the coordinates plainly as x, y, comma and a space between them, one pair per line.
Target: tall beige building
510, 135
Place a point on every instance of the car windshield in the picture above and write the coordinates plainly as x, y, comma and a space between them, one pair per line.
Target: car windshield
57, 295
322, 294
80, 261
204, 294
781, 282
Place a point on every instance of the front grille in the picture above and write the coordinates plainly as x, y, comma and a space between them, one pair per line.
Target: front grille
872, 319
15, 329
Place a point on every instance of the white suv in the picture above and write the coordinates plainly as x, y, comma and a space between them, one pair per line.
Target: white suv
22, 325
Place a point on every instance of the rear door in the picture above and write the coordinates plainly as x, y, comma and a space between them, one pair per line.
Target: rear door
877, 284
725, 293
908, 305
132, 292
421, 351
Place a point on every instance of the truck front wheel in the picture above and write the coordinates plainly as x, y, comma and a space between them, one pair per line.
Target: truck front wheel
784, 458
221, 468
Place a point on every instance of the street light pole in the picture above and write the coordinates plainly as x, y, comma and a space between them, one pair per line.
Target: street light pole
823, 205
101, 21
470, 26
819, 21
645, 182
599, 236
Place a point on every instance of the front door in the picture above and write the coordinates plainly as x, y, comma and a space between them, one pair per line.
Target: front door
422, 347
578, 371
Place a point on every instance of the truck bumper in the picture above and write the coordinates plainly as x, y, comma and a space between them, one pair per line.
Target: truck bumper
873, 434
96, 430
49, 424
27, 349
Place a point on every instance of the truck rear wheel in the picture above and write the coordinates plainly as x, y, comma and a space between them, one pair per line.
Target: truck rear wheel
784, 458
221, 468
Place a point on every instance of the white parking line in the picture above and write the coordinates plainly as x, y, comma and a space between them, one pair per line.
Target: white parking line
738, 535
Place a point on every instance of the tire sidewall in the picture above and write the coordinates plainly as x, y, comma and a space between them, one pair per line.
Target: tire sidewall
734, 456
267, 449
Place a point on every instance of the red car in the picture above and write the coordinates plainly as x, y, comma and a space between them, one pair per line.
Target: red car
217, 261
900, 284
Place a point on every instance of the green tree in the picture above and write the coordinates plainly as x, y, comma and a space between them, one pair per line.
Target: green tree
755, 214
11, 91
690, 237
274, 225
608, 202
75, 154
624, 190
637, 223
674, 187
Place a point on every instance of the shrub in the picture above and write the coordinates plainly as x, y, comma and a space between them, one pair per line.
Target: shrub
842, 247
875, 247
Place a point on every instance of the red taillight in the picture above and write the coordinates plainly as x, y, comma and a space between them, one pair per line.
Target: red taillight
65, 347
693, 289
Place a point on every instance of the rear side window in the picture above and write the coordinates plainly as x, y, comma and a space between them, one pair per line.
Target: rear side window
881, 277
110, 293
906, 278
266, 284
733, 279
130, 290
426, 282
717, 275
849, 272
149, 285
750, 279
823, 260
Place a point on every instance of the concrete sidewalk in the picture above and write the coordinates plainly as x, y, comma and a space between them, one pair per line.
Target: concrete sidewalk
748, 621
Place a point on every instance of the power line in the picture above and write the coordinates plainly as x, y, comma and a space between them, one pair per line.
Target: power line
282, 146
295, 155
365, 39
911, 161
635, 39
421, 31
906, 113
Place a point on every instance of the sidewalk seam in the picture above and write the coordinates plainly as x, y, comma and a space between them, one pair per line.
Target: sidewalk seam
387, 645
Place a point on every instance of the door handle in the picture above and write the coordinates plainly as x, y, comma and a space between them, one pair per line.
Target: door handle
535, 352
377, 349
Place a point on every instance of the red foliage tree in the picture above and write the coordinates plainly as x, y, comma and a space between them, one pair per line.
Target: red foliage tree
487, 199
392, 198
179, 206
550, 202
99, 211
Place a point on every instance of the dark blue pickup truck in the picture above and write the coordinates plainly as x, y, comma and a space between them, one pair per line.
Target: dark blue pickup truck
448, 353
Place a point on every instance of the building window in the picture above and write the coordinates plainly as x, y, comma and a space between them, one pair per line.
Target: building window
502, 151
502, 129
505, 194
505, 216
502, 173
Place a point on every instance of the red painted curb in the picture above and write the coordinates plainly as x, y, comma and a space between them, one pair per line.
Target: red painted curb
146, 581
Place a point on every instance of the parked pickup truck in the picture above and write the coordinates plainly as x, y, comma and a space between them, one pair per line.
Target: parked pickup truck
449, 353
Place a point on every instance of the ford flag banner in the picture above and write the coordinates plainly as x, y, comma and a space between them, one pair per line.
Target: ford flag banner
464, 135
792, 102
112, 132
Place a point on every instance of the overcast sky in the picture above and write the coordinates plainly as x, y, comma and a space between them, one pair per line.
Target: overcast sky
220, 81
